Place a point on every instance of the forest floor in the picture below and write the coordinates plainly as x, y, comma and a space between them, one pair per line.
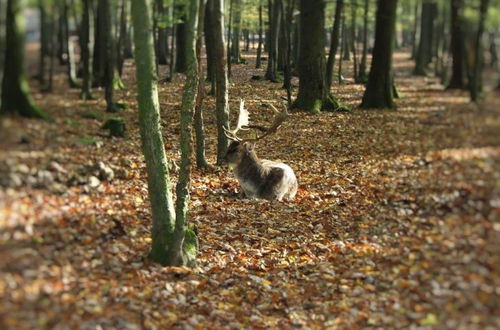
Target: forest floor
396, 222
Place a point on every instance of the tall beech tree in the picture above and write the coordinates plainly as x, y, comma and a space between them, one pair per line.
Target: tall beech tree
424, 52
173, 243
334, 43
475, 85
221, 84
274, 11
87, 44
236, 33
362, 77
380, 89
313, 95
3, 34
16, 98
457, 45
259, 46
201, 160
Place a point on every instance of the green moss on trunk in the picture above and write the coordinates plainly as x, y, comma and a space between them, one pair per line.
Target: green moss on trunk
15, 91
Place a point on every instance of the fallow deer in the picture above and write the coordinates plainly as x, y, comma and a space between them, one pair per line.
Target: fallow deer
259, 178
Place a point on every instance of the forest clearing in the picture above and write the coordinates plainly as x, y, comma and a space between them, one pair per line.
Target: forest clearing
395, 223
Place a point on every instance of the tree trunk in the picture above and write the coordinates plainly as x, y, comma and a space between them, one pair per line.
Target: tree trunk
100, 46
172, 244
201, 160
362, 77
70, 48
62, 35
44, 42
425, 52
173, 52
342, 45
221, 91
286, 22
259, 47
110, 54
235, 42
414, 44
185, 244
312, 95
87, 43
228, 46
379, 91
209, 47
274, 28
354, 41
180, 41
475, 85
15, 92
162, 34
457, 45
3, 44
122, 38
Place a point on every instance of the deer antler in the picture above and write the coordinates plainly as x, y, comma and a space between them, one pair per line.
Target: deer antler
241, 124
279, 118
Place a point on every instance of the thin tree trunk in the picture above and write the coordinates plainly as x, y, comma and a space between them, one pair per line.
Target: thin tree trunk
173, 51
53, 51
44, 42
15, 91
221, 91
362, 77
180, 58
414, 46
159, 186
353, 40
122, 38
476, 83
274, 28
342, 45
110, 55
184, 250
425, 49
209, 47
161, 32
379, 91
235, 43
286, 21
201, 160
457, 45
259, 47
3, 42
228, 46
87, 48
70, 49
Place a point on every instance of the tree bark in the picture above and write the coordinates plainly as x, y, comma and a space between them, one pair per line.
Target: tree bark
457, 45
259, 47
362, 77
221, 91
110, 54
425, 52
99, 58
185, 250
3, 44
87, 35
169, 247
274, 28
201, 160
313, 96
475, 85
379, 91
44, 41
15, 91
180, 40
162, 33
235, 42
228, 46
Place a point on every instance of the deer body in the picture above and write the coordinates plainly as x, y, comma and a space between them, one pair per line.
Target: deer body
260, 178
